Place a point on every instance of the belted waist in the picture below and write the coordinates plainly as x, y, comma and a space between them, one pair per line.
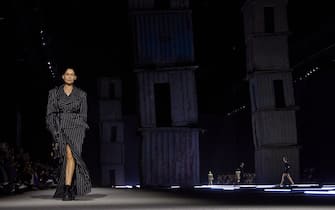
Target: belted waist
71, 120
68, 112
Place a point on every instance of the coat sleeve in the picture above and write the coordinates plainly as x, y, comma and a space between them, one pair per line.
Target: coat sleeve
83, 110
51, 115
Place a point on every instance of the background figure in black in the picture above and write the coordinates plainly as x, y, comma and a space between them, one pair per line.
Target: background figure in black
66, 120
286, 172
239, 173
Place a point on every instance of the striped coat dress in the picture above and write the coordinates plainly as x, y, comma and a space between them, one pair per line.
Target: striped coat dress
66, 120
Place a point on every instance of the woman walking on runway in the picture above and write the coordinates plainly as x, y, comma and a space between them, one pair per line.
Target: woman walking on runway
286, 172
66, 120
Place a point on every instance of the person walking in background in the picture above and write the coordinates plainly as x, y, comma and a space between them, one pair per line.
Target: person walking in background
286, 172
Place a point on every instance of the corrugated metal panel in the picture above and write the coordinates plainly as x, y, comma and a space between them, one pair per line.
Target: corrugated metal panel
179, 4
163, 38
184, 108
112, 153
106, 133
106, 175
276, 127
140, 4
184, 103
146, 100
264, 89
149, 4
104, 88
110, 115
289, 90
170, 156
254, 15
110, 109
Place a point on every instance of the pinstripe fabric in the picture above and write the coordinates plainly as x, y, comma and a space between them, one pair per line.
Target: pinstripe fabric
66, 120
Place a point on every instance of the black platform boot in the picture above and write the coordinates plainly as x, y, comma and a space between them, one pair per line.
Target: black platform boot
67, 193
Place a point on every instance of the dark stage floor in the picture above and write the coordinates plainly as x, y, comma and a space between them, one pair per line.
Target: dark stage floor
200, 197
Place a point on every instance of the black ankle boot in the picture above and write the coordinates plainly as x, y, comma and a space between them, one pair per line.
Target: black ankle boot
67, 193
72, 192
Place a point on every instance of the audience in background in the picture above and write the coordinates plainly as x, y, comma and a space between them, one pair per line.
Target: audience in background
18, 173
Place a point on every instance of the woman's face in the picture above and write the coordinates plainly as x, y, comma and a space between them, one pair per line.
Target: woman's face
69, 76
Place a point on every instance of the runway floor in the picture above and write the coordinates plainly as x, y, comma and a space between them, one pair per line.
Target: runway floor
200, 197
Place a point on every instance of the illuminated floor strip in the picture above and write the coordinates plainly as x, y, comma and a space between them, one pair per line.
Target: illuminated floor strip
175, 187
305, 188
277, 190
309, 189
266, 186
305, 185
332, 192
123, 187
248, 186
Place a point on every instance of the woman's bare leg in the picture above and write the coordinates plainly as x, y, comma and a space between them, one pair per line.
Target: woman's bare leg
290, 178
282, 178
70, 163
